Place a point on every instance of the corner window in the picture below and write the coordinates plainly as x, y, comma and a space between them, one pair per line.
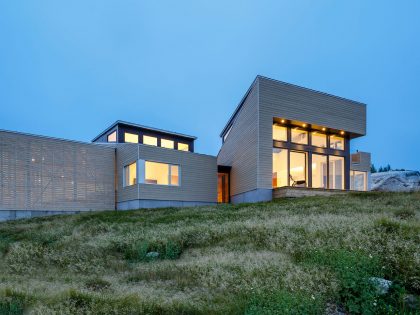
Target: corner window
112, 137
319, 139
161, 173
279, 133
150, 140
183, 146
280, 157
130, 174
319, 171
299, 136
358, 180
164, 143
336, 142
131, 138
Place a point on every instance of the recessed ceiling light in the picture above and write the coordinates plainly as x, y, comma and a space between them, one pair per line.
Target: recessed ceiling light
342, 132
323, 129
304, 125
283, 121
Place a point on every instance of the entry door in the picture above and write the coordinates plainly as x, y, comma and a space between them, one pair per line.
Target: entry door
297, 171
223, 187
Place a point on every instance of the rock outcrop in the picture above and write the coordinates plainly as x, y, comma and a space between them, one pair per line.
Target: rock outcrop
396, 181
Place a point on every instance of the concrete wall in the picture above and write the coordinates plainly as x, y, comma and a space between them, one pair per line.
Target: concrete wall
198, 178
46, 174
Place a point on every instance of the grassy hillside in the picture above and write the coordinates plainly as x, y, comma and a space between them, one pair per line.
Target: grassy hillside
292, 256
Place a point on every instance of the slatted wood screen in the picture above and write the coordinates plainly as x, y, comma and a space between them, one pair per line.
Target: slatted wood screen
39, 173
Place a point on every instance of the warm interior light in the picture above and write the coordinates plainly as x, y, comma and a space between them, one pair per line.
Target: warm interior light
342, 132
304, 125
282, 121
323, 129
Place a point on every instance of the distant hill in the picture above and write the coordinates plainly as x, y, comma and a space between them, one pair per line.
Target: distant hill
399, 181
314, 255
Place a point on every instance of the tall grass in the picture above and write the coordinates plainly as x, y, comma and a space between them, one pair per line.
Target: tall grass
291, 256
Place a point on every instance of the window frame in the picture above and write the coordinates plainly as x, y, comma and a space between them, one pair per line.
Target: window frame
281, 126
142, 173
319, 133
183, 143
162, 140
300, 129
344, 142
125, 176
151, 137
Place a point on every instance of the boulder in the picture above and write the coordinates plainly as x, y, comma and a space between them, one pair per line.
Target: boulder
399, 181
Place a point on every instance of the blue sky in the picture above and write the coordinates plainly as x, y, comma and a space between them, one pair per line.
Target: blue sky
70, 68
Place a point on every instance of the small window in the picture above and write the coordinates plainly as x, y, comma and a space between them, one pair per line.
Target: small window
299, 136
161, 174
279, 132
164, 143
130, 174
150, 140
131, 138
319, 139
183, 146
112, 137
336, 142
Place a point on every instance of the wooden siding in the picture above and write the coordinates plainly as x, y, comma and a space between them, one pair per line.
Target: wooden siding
240, 147
40, 173
281, 100
198, 175
360, 161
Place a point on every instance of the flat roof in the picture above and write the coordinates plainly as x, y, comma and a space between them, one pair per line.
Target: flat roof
126, 123
238, 108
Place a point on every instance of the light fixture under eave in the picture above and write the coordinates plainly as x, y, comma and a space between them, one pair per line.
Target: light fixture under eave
304, 125
342, 132
282, 121
323, 129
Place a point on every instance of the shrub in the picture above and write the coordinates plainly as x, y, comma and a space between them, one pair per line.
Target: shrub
404, 214
140, 251
11, 303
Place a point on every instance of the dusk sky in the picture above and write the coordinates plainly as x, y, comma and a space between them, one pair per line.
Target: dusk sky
69, 69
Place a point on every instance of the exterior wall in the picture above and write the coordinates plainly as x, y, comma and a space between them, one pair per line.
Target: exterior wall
282, 100
239, 150
198, 178
53, 175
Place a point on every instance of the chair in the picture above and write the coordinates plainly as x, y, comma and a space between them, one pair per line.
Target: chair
297, 182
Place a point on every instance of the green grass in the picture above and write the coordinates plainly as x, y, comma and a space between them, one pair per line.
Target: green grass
291, 256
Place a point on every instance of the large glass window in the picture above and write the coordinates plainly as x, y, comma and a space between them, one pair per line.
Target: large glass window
112, 137
161, 173
336, 165
299, 136
131, 137
150, 140
319, 139
183, 146
279, 132
298, 169
358, 180
279, 167
164, 143
319, 171
336, 142
130, 174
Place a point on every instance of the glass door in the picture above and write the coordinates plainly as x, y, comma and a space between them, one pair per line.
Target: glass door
297, 174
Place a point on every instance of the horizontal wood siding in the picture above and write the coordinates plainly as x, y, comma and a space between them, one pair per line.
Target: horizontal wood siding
198, 174
40, 173
277, 99
360, 162
240, 147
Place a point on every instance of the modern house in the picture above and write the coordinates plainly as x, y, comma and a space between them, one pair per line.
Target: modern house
282, 140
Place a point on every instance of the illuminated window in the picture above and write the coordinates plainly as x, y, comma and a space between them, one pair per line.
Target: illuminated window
164, 143
131, 137
279, 132
183, 146
336, 142
150, 140
336, 168
297, 174
279, 167
319, 139
319, 171
112, 137
161, 173
130, 174
299, 136
358, 180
